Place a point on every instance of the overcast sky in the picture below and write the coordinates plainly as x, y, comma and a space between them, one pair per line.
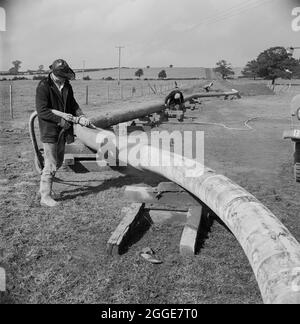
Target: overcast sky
158, 33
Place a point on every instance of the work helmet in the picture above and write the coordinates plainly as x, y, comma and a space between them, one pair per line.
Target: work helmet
60, 68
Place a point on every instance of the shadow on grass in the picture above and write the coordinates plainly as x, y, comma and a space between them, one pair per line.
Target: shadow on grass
207, 221
137, 233
129, 178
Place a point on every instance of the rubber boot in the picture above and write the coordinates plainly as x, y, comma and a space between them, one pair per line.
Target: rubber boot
45, 191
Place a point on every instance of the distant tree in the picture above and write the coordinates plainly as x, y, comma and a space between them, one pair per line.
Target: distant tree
251, 69
224, 69
171, 66
41, 68
16, 67
139, 73
148, 66
276, 63
162, 74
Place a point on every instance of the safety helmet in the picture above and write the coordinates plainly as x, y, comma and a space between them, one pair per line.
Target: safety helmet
60, 68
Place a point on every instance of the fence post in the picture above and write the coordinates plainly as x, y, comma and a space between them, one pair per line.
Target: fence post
87, 95
11, 109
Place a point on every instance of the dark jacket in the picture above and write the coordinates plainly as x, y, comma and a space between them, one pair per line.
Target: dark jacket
49, 98
170, 99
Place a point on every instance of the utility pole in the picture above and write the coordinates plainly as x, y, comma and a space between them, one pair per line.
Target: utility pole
83, 70
120, 52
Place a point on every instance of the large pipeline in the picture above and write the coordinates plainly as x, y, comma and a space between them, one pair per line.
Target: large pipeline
135, 110
273, 252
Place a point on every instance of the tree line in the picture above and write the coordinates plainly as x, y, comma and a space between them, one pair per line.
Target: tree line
276, 62
161, 75
271, 64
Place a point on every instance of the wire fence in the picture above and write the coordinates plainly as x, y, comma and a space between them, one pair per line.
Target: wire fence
284, 87
18, 97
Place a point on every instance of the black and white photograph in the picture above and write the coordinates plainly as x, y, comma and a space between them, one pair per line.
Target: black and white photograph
149, 155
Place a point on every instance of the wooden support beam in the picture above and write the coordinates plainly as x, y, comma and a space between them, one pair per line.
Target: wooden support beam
139, 194
167, 196
69, 160
168, 217
78, 148
84, 166
190, 233
130, 217
169, 187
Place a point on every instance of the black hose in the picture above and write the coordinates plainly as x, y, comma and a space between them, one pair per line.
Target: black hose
39, 160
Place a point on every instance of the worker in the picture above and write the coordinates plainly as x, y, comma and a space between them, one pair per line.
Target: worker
175, 98
208, 87
57, 111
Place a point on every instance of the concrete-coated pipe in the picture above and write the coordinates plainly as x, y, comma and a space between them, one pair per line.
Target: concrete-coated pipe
273, 252
135, 110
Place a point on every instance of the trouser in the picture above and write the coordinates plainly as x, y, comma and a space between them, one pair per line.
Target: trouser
54, 158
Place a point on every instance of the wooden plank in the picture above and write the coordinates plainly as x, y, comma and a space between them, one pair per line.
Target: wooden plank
165, 196
131, 215
169, 187
139, 194
69, 160
190, 233
82, 156
78, 148
85, 167
168, 217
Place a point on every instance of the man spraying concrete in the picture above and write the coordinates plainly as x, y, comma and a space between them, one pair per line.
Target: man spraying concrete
208, 87
175, 103
57, 110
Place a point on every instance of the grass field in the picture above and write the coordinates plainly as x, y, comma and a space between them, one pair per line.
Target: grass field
59, 256
99, 92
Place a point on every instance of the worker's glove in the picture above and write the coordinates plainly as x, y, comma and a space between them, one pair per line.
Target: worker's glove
83, 121
64, 124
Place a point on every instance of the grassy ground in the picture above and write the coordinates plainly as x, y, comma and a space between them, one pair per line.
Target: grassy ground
59, 255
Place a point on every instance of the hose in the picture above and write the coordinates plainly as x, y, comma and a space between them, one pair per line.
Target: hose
39, 160
38, 157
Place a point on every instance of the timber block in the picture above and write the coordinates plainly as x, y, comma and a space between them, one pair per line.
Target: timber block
78, 148
83, 166
69, 160
190, 233
167, 196
168, 217
169, 187
81, 159
130, 218
139, 194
